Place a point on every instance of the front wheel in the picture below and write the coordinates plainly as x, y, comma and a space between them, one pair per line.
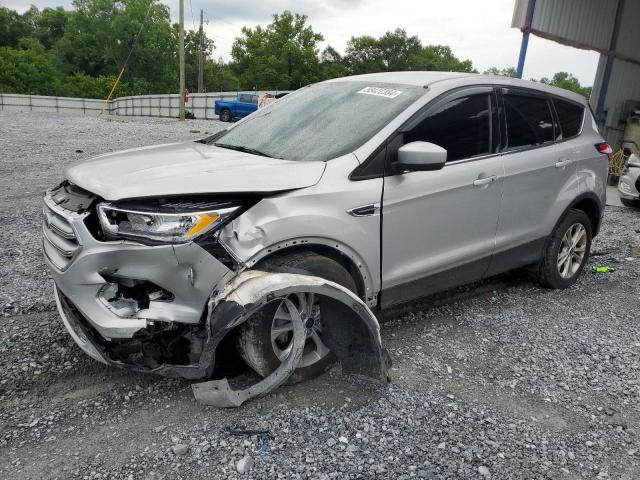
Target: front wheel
567, 251
266, 338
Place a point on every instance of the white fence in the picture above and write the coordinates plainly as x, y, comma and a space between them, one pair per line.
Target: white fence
36, 103
163, 105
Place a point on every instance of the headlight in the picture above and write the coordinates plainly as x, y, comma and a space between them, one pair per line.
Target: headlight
157, 226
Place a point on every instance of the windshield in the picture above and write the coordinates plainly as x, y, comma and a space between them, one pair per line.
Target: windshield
320, 122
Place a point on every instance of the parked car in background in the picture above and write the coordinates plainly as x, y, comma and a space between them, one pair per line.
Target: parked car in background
629, 184
391, 186
243, 105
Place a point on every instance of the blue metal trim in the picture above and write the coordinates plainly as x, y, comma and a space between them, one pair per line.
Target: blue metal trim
525, 38
523, 54
602, 94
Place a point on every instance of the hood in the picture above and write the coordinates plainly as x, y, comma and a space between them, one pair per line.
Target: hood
189, 168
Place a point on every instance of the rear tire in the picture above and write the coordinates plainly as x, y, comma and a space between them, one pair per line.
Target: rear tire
567, 251
630, 203
255, 341
225, 115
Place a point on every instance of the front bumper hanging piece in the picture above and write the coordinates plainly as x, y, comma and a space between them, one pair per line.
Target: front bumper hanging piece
350, 330
220, 394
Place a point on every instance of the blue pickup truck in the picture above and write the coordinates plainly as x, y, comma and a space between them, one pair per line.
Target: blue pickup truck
243, 105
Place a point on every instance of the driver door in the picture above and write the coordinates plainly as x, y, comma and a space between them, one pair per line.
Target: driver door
439, 227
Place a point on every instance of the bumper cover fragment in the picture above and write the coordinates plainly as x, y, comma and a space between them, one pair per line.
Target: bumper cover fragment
350, 330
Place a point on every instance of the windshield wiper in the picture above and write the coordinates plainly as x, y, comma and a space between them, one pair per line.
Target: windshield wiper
241, 148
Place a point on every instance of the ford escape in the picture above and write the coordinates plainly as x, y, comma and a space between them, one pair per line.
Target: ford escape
392, 186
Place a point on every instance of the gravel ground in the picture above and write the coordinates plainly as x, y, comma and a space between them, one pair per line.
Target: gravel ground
518, 382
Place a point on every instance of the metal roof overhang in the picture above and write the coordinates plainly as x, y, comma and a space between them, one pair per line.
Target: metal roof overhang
610, 27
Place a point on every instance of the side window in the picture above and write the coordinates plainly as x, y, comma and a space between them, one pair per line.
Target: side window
245, 98
461, 126
570, 116
254, 99
529, 120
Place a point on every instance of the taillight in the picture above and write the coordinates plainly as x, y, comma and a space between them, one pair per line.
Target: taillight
605, 148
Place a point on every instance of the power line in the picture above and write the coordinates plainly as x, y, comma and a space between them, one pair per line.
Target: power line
228, 22
211, 34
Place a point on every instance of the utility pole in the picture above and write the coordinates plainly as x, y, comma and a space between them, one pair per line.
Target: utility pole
201, 57
181, 59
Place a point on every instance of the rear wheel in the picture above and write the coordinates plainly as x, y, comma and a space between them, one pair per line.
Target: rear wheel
630, 203
265, 339
225, 115
567, 252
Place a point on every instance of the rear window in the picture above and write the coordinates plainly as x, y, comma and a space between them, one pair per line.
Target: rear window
570, 116
529, 120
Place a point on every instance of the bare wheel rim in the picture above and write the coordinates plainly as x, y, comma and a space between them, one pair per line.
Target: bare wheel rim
572, 250
282, 329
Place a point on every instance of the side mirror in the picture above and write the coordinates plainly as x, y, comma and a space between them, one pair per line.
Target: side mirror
421, 156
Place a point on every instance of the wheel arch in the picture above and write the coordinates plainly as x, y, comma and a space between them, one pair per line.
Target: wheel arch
590, 204
332, 249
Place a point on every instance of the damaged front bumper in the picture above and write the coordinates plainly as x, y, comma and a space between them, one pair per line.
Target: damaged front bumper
127, 303
350, 330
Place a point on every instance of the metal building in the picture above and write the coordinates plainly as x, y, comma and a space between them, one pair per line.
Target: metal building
610, 27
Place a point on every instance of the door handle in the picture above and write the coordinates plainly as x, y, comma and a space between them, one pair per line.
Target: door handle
563, 162
484, 181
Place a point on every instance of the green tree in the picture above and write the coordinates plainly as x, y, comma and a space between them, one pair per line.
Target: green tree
101, 33
191, 54
284, 55
50, 25
568, 82
332, 65
396, 51
219, 77
30, 69
363, 55
84, 86
14, 26
505, 72
441, 58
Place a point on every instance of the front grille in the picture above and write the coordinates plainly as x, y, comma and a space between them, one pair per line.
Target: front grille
59, 240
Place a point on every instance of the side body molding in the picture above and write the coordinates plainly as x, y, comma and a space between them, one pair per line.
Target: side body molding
350, 330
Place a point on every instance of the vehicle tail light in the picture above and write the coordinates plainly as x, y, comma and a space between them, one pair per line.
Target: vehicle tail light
605, 148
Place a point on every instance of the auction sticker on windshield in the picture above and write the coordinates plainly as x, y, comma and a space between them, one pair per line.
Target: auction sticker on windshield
380, 92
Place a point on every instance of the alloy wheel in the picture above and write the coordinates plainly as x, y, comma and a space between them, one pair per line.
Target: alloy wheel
572, 250
282, 329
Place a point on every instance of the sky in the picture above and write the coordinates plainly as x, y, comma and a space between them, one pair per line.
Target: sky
478, 30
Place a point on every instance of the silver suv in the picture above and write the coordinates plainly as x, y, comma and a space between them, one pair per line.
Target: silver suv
387, 186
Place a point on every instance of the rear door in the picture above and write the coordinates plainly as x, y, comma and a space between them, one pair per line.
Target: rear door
579, 136
438, 227
540, 175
